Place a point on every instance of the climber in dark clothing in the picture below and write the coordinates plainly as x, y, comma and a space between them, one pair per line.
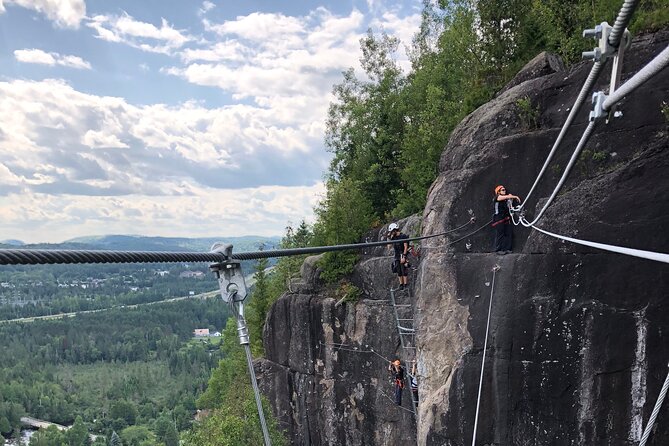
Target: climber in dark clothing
414, 384
397, 372
501, 220
401, 250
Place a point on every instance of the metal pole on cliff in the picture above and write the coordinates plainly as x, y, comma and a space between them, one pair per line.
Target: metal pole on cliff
234, 292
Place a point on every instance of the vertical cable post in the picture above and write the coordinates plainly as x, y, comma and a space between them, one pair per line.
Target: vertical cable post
485, 347
233, 292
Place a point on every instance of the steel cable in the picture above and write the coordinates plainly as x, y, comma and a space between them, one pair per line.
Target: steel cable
649, 255
485, 346
656, 410
48, 256
622, 20
574, 156
587, 86
653, 67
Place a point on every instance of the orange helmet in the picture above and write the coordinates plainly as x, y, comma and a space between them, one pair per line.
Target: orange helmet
498, 188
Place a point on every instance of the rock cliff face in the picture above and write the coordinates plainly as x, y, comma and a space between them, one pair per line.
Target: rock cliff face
579, 339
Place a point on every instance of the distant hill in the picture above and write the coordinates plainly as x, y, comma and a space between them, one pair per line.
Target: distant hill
12, 242
142, 243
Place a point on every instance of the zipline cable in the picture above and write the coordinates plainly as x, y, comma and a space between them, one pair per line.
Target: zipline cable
650, 255
656, 410
485, 347
47, 256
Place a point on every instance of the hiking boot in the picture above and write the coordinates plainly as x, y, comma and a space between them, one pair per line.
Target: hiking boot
401, 286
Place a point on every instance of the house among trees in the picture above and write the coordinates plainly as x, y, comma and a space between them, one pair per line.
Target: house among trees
200, 332
191, 275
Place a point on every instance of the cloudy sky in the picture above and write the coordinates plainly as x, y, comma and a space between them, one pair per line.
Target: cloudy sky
172, 117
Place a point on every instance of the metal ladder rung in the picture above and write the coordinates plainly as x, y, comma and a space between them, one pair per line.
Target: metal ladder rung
401, 305
404, 319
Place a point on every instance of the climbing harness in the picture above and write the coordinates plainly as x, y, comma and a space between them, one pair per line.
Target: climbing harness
499, 222
485, 347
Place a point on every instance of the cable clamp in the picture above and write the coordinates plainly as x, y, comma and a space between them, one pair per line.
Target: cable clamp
229, 274
604, 49
598, 111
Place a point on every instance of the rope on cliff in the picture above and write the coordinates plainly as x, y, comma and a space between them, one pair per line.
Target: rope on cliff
656, 410
453, 242
587, 86
574, 156
48, 256
650, 255
485, 346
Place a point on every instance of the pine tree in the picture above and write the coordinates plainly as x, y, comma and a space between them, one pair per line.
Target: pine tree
115, 440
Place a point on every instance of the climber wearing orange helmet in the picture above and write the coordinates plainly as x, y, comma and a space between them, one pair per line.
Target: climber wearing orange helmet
501, 220
397, 372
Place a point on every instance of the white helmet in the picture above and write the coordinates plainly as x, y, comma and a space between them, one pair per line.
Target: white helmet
392, 227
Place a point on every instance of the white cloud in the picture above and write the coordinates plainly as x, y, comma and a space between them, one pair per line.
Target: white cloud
65, 13
48, 123
204, 212
260, 27
145, 36
206, 7
42, 57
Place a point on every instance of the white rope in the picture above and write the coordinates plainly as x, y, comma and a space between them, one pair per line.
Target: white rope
485, 346
587, 86
650, 255
574, 156
651, 69
656, 410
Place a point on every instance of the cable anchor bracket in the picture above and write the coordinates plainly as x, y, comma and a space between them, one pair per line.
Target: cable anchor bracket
229, 275
233, 286
604, 49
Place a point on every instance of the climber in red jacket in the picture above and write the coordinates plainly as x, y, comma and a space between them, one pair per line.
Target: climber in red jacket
501, 219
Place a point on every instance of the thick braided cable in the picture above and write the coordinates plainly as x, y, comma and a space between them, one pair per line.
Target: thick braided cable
651, 69
47, 256
623, 19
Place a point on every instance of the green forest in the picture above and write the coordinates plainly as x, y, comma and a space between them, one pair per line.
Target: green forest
112, 371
